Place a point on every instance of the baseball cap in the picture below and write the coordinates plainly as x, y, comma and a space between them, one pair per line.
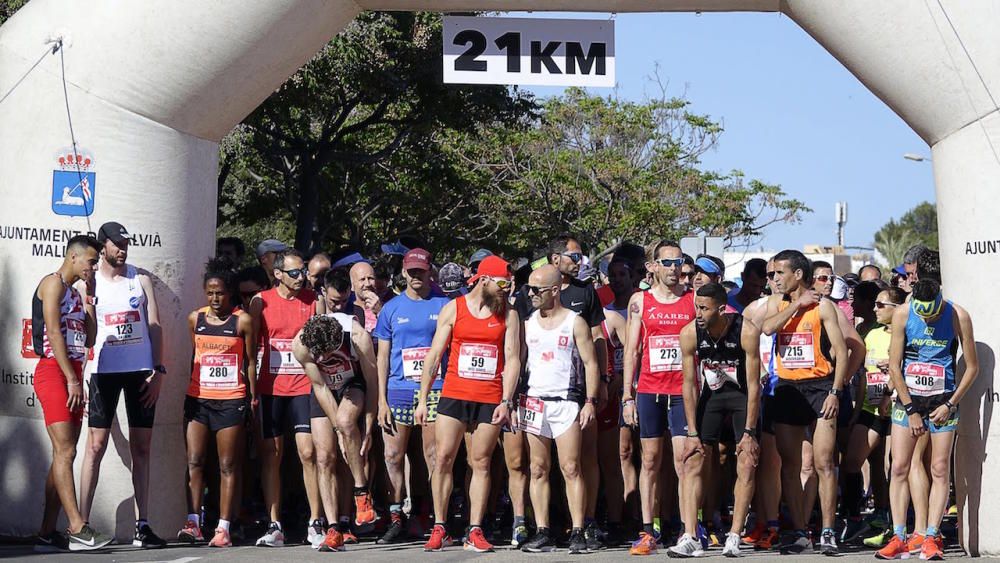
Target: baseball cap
451, 277
270, 245
115, 232
478, 256
900, 270
707, 265
839, 289
492, 266
350, 259
417, 258
396, 248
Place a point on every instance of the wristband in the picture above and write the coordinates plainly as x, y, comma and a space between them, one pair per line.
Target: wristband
591, 400
68, 384
627, 402
951, 406
752, 432
910, 408
836, 392
692, 434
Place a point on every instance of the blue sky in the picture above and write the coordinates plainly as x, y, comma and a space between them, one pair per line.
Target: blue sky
792, 114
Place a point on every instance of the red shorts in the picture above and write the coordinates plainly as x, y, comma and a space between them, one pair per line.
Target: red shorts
50, 387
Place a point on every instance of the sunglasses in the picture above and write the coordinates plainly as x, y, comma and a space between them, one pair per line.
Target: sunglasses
537, 290
295, 274
671, 262
823, 279
502, 283
770, 275
574, 256
883, 304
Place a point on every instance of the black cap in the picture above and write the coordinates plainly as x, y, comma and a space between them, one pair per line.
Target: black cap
114, 231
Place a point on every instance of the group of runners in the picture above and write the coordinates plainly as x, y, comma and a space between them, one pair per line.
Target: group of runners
680, 411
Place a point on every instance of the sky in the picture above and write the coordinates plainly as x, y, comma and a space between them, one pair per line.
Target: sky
793, 116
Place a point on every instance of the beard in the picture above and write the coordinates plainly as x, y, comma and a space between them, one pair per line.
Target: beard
495, 301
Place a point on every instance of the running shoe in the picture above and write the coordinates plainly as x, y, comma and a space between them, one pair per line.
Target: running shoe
895, 550
711, 536
880, 539
854, 529
221, 538
754, 536
88, 539
274, 537
732, 547
349, 537
770, 539
190, 533
52, 543
395, 532
146, 539
315, 534
439, 539
797, 543
686, 547
475, 540
519, 536
593, 536
645, 545
915, 542
364, 511
332, 541
828, 543
932, 549
539, 543
579, 542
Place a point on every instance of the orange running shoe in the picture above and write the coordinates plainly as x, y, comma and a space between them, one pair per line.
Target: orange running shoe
439, 539
915, 542
364, 511
476, 541
349, 537
768, 540
932, 549
221, 539
645, 545
896, 549
333, 541
754, 536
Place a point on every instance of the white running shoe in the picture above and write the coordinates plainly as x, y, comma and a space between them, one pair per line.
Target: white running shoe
316, 534
732, 547
686, 547
273, 538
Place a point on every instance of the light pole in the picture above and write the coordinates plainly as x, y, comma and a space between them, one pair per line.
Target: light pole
916, 157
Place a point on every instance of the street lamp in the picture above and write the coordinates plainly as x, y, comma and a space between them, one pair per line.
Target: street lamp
916, 157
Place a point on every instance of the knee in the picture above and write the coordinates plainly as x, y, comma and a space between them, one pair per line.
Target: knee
650, 461
745, 470
625, 453
394, 460
345, 423
64, 453
823, 467
197, 463
539, 471
307, 454
326, 460
900, 470
480, 464
444, 462
570, 469
940, 470
430, 457
96, 448
227, 466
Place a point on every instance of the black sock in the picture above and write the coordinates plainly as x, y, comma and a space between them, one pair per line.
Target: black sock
358, 491
648, 528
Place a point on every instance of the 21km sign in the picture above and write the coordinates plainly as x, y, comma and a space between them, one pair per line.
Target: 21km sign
543, 52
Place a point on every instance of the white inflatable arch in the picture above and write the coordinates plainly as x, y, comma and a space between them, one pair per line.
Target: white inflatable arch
153, 86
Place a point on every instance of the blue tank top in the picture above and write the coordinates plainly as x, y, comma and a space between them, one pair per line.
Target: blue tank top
929, 358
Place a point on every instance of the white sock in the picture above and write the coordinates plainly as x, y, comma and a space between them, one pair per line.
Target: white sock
194, 518
224, 524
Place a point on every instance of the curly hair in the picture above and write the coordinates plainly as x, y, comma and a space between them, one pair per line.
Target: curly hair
321, 334
219, 269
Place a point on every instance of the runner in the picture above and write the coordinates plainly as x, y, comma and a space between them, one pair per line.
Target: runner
720, 349
250, 281
707, 269
61, 330
232, 250
267, 251
923, 353
652, 349
367, 301
127, 356
217, 399
808, 333
283, 387
482, 336
405, 331
754, 278
339, 358
910, 266
560, 350
869, 272
318, 266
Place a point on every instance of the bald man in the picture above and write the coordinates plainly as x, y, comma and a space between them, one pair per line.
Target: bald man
558, 404
367, 302
317, 268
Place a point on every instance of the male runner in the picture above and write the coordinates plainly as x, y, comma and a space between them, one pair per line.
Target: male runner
483, 337
278, 314
720, 349
267, 251
405, 331
652, 349
127, 356
754, 278
923, 366
318, 266
61, 331
338, 357
560, 347
707, 269
808, 334
367, 301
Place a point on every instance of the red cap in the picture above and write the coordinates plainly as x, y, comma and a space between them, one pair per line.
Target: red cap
492, 266
417, 258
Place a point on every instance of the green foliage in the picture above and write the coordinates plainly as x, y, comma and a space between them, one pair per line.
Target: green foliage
8, 7
916, 226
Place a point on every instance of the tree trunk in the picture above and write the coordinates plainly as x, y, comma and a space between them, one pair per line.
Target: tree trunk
305, 219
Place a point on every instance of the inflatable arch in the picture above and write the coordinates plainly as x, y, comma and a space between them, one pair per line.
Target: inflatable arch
153, 87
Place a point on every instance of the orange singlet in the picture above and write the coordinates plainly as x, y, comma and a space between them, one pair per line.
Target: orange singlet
217, 369
476, 357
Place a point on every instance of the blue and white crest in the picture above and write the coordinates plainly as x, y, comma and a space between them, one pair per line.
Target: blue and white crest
74, 184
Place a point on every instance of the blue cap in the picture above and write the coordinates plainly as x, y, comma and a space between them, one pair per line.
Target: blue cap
707, 265
352, 258
900, 270
396, 248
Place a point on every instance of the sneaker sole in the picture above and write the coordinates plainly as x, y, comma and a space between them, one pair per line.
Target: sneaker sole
578, 551
470, 547
273, 544
84, 547
900, 556
325, 549
677, 555
139, 543
546, 549
188, 538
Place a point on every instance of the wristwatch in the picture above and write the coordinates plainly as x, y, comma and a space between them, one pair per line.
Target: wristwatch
951, 406
591, 401
836, 392
752, 432
509, 403
160, 368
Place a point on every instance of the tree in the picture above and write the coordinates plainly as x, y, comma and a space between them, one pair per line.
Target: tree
8, 7
606, 169
916, 226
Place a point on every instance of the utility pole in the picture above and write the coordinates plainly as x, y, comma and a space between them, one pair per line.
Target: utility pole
841, 219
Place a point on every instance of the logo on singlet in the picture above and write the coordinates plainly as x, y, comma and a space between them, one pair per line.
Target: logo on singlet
134, 302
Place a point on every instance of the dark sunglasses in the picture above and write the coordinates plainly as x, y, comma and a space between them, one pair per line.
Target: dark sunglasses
574, 256
295, 274
536, 289
883, 304
671, 262
770, 275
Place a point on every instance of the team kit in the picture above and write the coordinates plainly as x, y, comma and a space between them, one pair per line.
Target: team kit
639, 403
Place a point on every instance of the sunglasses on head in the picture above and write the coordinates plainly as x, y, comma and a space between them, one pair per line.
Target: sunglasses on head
537, 289
574, 256
883, 304
669, 262
296, 273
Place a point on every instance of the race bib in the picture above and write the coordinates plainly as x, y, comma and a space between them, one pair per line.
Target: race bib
282, 361
337, 379
924, 379
413, 362
877, 386
531, 412
123, 328
220, 371
796, 350
717, 374
665, 353
478, 361
76, 338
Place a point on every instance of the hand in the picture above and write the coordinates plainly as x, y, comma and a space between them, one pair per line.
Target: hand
150, 391
385, 417
831, 406
366, 441
940, 415
586, 415
74, 392
808, 298
749, 446
629, 414
917, 427
692, 446
372, 302
602, 395
501, 415
420, 414
883, 366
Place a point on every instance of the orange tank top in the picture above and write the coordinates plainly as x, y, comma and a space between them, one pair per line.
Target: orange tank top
217, 370
800, 346
475, 357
